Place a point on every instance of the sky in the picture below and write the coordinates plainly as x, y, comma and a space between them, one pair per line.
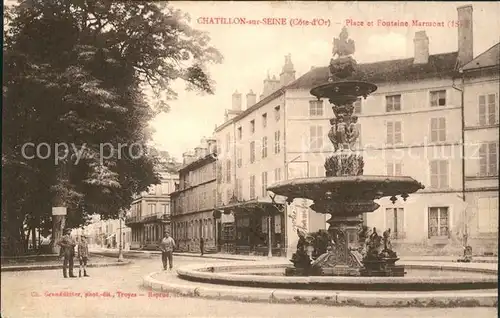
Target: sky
251, 51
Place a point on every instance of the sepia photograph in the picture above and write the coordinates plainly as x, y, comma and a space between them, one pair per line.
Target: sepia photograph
250, 159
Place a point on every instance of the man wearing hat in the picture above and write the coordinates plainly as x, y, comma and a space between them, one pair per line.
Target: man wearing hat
83, 255
67, 245
167, 246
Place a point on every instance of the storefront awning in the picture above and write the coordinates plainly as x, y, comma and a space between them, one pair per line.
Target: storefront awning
260, 203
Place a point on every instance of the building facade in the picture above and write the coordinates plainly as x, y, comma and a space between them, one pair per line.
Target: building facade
480, 97
412, 125
149, 215
193, 202
105, 234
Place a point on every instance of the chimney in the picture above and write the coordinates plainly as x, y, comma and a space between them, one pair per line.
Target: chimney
236, 101
421, 45
288, 72
198, 152
186, 157
251, 99
465, 35
211, 145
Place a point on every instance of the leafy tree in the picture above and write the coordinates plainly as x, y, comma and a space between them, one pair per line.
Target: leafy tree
75, 73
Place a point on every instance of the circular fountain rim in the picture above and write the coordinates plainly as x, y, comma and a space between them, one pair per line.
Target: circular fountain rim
203, 273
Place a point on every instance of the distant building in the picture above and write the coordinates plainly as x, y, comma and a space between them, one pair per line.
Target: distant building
105, 234
193, 202
149, 215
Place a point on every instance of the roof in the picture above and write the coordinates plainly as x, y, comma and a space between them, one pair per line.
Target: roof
439, 65
489, 58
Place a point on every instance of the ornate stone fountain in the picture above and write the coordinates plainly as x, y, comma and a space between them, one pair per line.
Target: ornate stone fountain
345, 193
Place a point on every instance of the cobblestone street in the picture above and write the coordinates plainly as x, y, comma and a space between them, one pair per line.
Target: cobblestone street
33, 296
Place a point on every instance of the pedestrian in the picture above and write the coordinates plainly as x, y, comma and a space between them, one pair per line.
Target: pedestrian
67, 245
167, 246
83, 255
202, 244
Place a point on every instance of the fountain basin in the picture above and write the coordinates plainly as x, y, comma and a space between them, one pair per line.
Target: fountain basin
343, 91
351, 187
266, 275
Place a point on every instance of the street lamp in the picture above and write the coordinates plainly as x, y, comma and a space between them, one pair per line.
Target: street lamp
120, 249
270, 245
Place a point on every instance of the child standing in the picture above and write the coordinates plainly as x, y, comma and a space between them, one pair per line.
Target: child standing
83, 255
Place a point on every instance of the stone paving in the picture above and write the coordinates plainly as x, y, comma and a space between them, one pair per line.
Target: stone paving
38, 294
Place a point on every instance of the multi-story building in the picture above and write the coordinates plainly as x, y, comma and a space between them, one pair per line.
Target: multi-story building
480, 100
105, 234
410, 126
149, 215
193, 201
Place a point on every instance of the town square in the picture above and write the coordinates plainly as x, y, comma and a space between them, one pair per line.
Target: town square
250, 159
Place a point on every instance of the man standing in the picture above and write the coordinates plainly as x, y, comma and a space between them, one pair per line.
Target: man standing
83, 255
68, 252
167, 246
202, 245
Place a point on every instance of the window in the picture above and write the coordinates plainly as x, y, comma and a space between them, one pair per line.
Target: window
438, 129
438, 98
277, 135
252, 187
228, 142
228, 171
239, 189
316, 138
252, 126
439, 174
394, 132
393, 169
165, 188
357, 106
488, 157
264, 147
277, 113
239, 157
316, 108
277, 174
240, 133
394, 220
487, 215
264, 120
229, 195
487, 110
393, 103
252, 151
264, 184
152, 209
166, 209
438, 222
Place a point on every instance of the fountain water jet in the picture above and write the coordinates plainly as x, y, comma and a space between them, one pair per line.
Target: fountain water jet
345, 193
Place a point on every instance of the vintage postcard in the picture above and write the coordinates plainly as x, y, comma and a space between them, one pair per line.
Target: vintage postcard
250, 159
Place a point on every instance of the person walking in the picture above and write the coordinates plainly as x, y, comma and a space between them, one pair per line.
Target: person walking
167, 246
67, 245
202, 245
83, 255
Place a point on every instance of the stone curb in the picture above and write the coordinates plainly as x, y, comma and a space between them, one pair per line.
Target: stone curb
331, 298
54, 266
211, 256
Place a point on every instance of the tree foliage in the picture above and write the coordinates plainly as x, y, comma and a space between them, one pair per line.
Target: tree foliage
75, 73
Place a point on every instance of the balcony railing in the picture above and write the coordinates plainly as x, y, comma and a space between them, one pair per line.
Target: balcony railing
148, 218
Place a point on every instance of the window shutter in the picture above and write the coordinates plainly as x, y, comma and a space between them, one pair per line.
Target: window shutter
442, 131
491, 109
390, 132
482, 110
397, 132
492, 158
434, 129
483, 164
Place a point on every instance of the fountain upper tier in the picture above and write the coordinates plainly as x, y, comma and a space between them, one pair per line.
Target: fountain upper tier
349, 195
343, 92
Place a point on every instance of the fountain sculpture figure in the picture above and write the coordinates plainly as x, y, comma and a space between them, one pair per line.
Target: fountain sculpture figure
345, 193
